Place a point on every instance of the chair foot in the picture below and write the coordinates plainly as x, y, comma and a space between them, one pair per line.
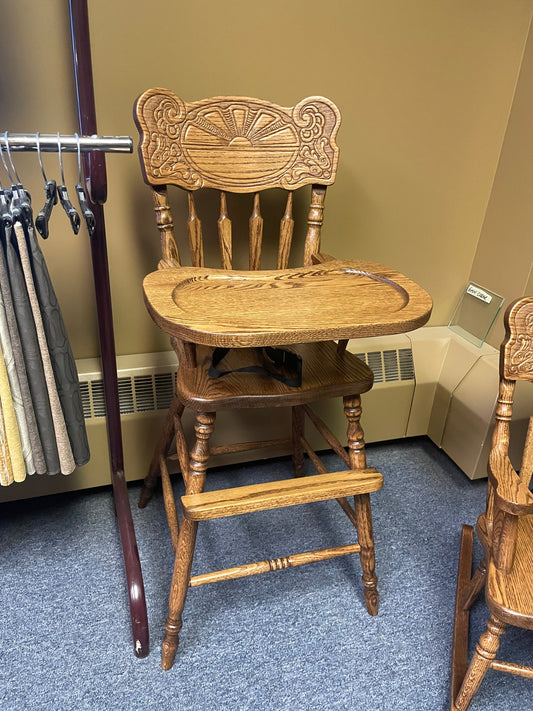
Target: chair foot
363, 518
145, 495
371, 597
150, 480
486, 649
170, 644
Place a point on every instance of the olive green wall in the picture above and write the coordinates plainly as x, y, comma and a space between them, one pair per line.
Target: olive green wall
426, 89
504, 257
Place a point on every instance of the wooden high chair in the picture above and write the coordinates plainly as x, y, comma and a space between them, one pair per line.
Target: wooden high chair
505, 529
250, 339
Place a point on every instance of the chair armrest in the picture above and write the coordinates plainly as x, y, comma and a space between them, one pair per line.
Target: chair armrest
513, 495
321, 257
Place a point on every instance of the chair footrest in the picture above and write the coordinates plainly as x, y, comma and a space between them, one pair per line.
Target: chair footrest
277, 494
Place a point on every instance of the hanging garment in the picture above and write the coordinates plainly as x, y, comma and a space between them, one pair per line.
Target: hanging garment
6, 468
31, 353
66, 460
63, 363
14, 385
18, 357
16, 470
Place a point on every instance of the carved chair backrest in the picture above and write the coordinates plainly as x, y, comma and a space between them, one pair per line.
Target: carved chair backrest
516, 363
236, 145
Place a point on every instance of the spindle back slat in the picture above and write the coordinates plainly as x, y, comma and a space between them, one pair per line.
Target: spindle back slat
224, 233
237, 145
194, 229
286, 229
256, 234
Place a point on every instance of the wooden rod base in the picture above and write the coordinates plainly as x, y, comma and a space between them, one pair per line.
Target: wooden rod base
462, 614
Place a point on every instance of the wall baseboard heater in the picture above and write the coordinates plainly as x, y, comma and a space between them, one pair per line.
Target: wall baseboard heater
430, 382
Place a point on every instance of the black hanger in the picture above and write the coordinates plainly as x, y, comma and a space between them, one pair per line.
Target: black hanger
5, 197
20, 199
50, 190
63, 195
82, 197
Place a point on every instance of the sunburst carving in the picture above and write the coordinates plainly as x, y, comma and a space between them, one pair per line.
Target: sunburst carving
228, 142
239, 124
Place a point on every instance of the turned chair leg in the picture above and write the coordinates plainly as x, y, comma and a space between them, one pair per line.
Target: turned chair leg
297, 434
363, 517
186, 540
486, 649
363, 512
161, 450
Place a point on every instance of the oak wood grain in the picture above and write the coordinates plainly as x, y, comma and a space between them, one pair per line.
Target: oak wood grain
194, 228
224, 233
240, 308
512, 493
508, 593
271, 495
256, 234
526, 466
163, 217
285, 234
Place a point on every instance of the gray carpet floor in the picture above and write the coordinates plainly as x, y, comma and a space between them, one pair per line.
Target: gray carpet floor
296, 640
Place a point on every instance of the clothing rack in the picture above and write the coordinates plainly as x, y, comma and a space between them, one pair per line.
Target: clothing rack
105, 144
87, 145
91, 149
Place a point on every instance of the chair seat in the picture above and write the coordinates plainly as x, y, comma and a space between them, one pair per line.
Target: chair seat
510, 595
325, 373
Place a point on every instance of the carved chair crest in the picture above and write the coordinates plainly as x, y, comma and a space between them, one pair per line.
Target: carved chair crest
236, 144
518, 350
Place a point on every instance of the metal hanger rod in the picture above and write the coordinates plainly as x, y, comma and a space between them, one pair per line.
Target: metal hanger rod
48, 142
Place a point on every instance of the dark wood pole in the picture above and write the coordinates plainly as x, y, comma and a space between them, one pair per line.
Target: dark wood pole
95, 175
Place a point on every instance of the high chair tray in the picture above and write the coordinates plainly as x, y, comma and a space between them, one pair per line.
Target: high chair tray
333, 300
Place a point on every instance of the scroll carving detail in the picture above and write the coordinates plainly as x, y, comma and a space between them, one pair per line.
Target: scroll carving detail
520, 345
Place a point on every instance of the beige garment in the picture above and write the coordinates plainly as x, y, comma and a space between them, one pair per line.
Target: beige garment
15, 469
6, 468
16, 396
66, 460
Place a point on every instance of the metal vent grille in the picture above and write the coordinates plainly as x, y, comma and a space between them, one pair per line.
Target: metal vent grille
148, 393
140, 393
92, 398
390, 365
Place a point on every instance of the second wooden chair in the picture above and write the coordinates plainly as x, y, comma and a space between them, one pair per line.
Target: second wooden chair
505, 529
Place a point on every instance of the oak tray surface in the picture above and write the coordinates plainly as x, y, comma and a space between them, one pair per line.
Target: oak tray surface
337, 299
